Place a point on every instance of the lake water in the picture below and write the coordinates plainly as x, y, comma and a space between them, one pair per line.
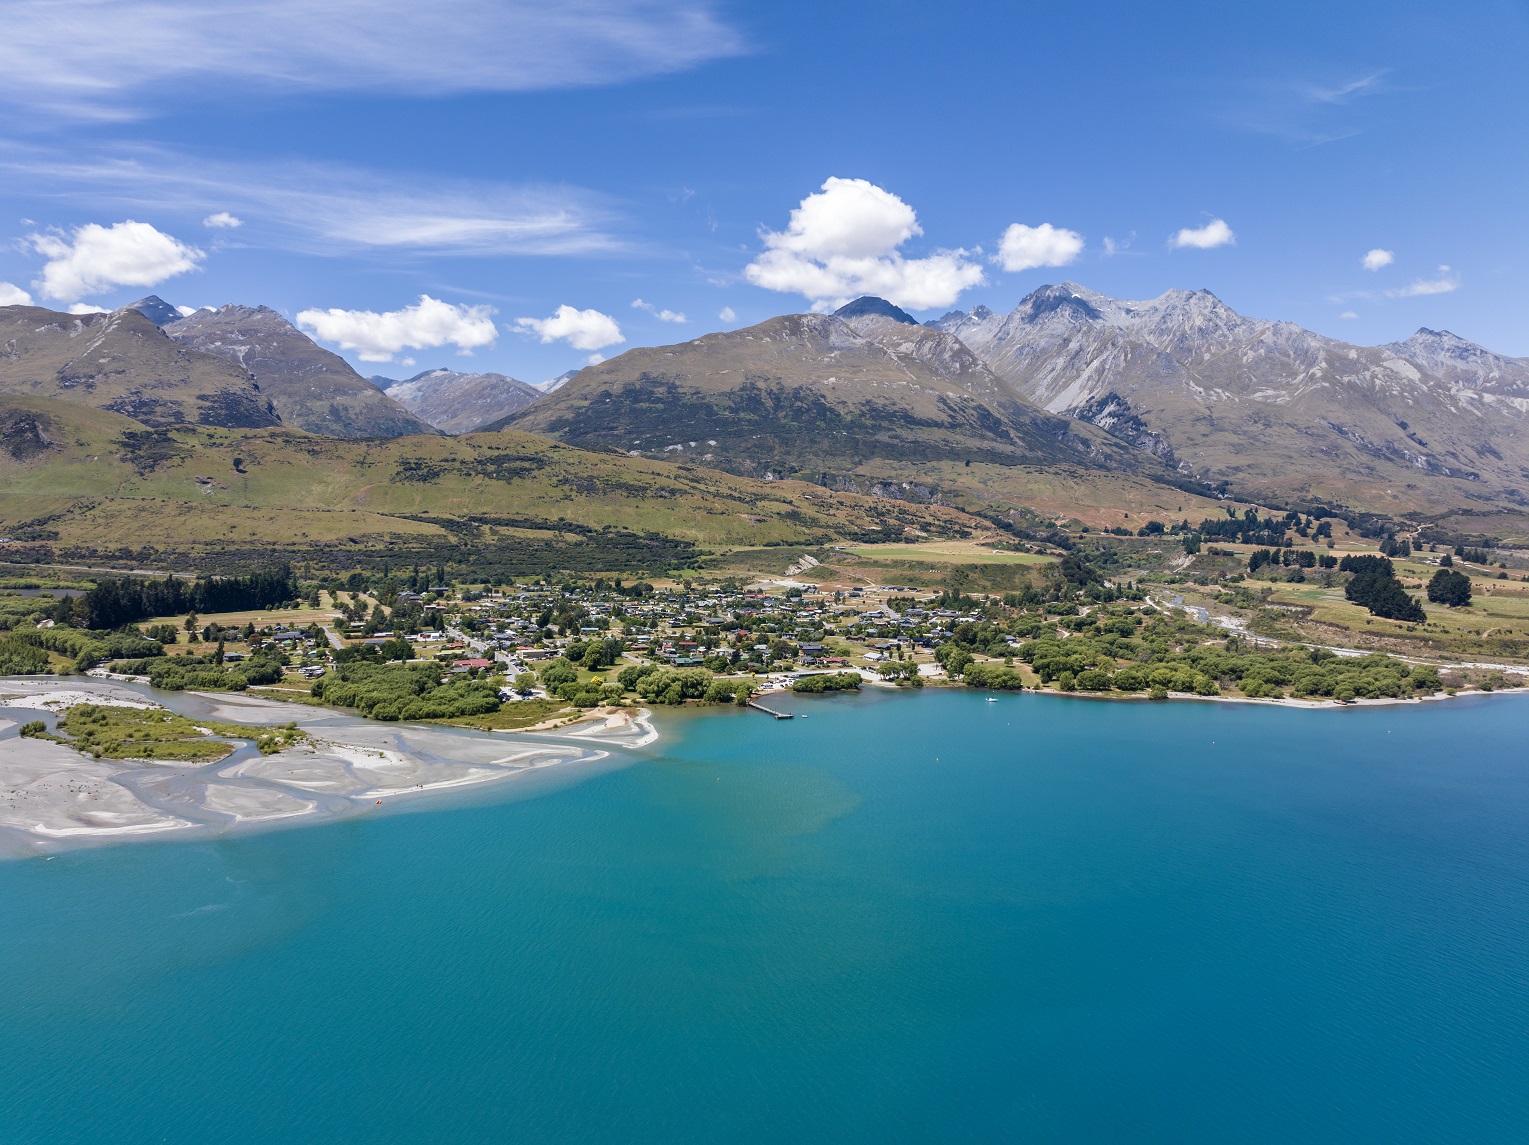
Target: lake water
907, 918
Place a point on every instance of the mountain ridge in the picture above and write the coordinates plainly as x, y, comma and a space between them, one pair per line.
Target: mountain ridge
1268, 407
455, 402
310, 387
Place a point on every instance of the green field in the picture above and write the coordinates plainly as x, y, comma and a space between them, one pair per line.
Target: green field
947, 552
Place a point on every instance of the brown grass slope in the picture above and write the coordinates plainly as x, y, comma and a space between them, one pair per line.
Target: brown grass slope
122, 362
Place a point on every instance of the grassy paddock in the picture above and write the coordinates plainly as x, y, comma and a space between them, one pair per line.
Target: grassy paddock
946, 552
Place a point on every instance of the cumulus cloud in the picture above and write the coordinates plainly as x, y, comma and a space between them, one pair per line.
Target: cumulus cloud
661, 315
12, 295
94, 259
843, 240
1443, 284
222, 220
581, 329
1213, 234
1025, 248
114, 60
427, 324
1377, 258
727, 314
86, 308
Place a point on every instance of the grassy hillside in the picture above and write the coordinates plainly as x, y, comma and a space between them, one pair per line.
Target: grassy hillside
80, 484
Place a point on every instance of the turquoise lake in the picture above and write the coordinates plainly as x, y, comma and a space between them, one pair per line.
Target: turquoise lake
906, 918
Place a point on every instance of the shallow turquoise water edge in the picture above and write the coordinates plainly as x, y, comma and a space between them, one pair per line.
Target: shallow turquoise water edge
904, 918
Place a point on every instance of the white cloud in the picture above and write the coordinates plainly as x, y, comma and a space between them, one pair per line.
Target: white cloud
86, 308
1213, 234
12, 295
661, 315
222, 219
1348, 314
581, 329
594, 359
1377, 258
95, 259
319, 208
1444, 284
425, 325
112, 60
727, 314
185, 311
842, 242
1025, 248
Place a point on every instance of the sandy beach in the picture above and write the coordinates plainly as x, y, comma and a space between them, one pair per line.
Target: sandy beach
53, 797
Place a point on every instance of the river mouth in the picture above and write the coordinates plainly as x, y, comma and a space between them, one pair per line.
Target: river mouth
55, 798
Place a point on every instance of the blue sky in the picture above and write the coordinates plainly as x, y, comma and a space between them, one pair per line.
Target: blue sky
508, 159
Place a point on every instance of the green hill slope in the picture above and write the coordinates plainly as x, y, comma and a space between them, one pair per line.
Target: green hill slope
81, 485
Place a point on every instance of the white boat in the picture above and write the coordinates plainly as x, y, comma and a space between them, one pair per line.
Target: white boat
992, 699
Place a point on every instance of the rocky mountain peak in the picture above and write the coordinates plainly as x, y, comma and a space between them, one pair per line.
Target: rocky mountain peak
869, 305
156, 310
1065, 301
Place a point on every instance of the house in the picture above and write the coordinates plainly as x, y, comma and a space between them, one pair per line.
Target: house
464, 665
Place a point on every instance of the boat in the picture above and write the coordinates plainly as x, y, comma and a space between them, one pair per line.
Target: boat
992, 699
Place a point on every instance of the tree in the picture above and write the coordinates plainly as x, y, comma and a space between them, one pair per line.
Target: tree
1450, 588
396, 649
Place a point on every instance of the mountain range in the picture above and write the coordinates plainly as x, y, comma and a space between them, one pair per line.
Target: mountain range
454, 402
1070, 389
1269, 409
809, 394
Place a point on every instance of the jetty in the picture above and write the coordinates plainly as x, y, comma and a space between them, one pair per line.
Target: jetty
755, 704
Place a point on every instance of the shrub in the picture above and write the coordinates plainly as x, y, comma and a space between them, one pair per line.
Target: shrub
828, 682
1093, 680
674, 685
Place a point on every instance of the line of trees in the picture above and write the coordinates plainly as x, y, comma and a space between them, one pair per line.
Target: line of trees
118, 601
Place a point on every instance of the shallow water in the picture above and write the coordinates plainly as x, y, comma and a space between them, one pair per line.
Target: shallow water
903, 918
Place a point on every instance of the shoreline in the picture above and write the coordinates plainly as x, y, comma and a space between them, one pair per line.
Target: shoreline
54, 798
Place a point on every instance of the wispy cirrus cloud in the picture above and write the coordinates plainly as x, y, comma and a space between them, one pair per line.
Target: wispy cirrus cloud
319, 208
117, 59
1303, 112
